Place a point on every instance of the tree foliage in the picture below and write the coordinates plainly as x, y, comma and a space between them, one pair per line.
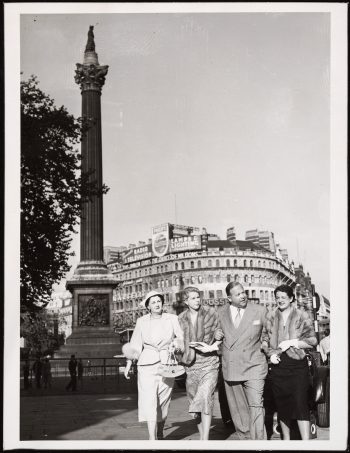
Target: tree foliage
52, 191
39, 334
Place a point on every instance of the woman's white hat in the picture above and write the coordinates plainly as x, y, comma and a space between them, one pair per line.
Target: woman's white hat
149, 295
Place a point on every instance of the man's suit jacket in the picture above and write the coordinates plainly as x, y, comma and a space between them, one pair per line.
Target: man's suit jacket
242, 358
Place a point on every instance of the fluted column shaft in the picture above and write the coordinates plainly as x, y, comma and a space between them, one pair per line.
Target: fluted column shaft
91, 239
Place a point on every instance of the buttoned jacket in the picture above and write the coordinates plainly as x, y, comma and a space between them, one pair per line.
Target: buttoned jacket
151, 340
242, 357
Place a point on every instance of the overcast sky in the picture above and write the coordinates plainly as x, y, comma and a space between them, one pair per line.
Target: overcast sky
228, 112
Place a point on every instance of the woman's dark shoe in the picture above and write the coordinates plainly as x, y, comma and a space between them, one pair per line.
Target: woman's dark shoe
160, 429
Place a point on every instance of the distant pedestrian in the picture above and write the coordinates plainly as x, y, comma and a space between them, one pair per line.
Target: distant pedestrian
46, 372
325, 347
80, 372
72, 366
37, 370
26, 371
89, 372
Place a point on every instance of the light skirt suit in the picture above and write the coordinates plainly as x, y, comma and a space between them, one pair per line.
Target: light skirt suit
151, 339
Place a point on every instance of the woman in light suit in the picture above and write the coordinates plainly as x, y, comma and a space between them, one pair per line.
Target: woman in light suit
153, 335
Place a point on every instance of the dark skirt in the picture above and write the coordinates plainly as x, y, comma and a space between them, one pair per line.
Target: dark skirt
291, 386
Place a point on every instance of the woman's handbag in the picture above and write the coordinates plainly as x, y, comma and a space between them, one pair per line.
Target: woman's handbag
171, 368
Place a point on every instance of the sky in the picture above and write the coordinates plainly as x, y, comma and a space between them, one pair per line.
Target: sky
211, 120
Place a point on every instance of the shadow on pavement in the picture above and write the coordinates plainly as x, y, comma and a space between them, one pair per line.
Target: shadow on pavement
188, 428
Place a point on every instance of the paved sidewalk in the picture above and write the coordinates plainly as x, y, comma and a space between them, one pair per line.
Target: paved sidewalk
82, 416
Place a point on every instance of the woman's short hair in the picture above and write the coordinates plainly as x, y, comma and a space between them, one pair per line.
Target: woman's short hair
155, 295
190, 289
230, 286
285, 289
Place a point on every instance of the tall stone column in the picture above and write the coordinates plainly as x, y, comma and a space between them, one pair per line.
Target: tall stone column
92, 283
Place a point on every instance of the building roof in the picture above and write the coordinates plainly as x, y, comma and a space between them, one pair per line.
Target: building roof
241, 245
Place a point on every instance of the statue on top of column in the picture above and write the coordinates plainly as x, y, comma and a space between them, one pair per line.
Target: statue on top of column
90, 45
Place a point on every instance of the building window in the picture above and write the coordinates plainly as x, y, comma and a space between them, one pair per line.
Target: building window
167, 283
228, 263
217, 263
199, 264
193, 280
236, 278
210, 263
251, 263
158, 283
246, 279
272, 295
218, 279
260, 279
235, 263
264, 279
266, 295
161, 269
182, 266
177, 281
211, 279
245, 263
211, 294
252, 278
253, 293
200, 279
176, 266
259, 263
157, 269
262, 295
166, 268
192, 264
219, 293
264, 263
247, 293
228, 277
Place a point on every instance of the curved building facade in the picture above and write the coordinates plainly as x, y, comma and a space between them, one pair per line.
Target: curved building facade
179, 256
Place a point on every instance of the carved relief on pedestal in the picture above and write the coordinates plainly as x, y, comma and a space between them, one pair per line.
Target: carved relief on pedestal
93, 310
90, 77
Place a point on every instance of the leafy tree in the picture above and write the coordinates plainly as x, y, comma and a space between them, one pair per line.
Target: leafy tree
52, 191
39, 334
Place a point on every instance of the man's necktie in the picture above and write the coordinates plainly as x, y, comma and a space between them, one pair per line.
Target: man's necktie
237, 318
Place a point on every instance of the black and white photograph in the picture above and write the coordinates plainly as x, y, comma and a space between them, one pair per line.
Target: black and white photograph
176, 226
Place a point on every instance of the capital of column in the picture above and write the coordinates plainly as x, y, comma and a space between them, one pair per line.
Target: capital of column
90, 76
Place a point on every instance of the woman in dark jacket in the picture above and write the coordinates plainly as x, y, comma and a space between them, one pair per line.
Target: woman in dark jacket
200, 358
289, 331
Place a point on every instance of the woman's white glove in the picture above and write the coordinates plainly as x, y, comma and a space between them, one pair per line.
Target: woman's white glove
275, 359
127, 369
203, 347
286, 344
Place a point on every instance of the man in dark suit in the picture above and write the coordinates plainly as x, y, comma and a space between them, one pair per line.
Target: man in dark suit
244, 364
72, 366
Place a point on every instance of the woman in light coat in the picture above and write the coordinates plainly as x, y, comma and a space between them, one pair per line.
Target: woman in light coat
153, 335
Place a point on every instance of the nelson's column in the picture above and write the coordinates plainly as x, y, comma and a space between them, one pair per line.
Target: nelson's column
92, 283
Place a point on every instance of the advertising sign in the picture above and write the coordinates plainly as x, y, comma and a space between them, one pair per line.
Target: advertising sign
137, 254
183, 243
160, 239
